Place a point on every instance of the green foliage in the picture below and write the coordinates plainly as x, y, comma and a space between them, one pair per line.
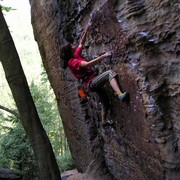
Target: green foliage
45, 102
47, 110
66, 161
7, 9
16, 152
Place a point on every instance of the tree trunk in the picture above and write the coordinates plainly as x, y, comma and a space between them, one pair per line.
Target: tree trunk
28, 114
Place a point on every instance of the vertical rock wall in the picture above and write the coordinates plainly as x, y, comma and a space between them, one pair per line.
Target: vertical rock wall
143, 37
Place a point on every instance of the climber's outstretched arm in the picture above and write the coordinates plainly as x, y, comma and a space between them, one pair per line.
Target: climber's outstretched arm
94, 61
83, 38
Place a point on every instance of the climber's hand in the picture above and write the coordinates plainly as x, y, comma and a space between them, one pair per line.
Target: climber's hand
107, 54
83, 38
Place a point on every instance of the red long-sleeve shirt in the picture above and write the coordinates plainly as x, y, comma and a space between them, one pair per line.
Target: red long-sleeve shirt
84, 73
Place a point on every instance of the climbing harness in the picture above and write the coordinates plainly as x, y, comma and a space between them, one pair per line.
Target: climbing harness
83, 92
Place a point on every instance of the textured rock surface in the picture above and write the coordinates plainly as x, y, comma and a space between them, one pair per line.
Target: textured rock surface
144, 38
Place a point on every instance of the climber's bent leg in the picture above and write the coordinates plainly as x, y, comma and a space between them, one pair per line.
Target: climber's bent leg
110, 76
115, 86
101, 79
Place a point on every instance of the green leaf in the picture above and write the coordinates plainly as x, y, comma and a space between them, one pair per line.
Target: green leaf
7, 9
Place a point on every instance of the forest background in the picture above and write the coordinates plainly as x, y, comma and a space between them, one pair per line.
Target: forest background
15, 151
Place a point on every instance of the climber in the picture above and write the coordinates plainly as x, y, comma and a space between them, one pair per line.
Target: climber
82, 70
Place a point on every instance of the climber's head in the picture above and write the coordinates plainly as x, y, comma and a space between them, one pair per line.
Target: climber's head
66, 53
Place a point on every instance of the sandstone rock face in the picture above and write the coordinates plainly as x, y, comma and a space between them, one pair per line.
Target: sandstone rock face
144, 39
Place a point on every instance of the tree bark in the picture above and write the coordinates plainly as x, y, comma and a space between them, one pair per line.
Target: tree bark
28, 114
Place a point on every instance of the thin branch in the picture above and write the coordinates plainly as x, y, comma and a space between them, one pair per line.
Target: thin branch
13, 112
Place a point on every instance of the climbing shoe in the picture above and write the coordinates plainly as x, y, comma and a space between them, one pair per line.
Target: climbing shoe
123, 96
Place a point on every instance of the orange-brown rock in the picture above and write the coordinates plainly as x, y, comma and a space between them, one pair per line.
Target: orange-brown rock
144, 37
